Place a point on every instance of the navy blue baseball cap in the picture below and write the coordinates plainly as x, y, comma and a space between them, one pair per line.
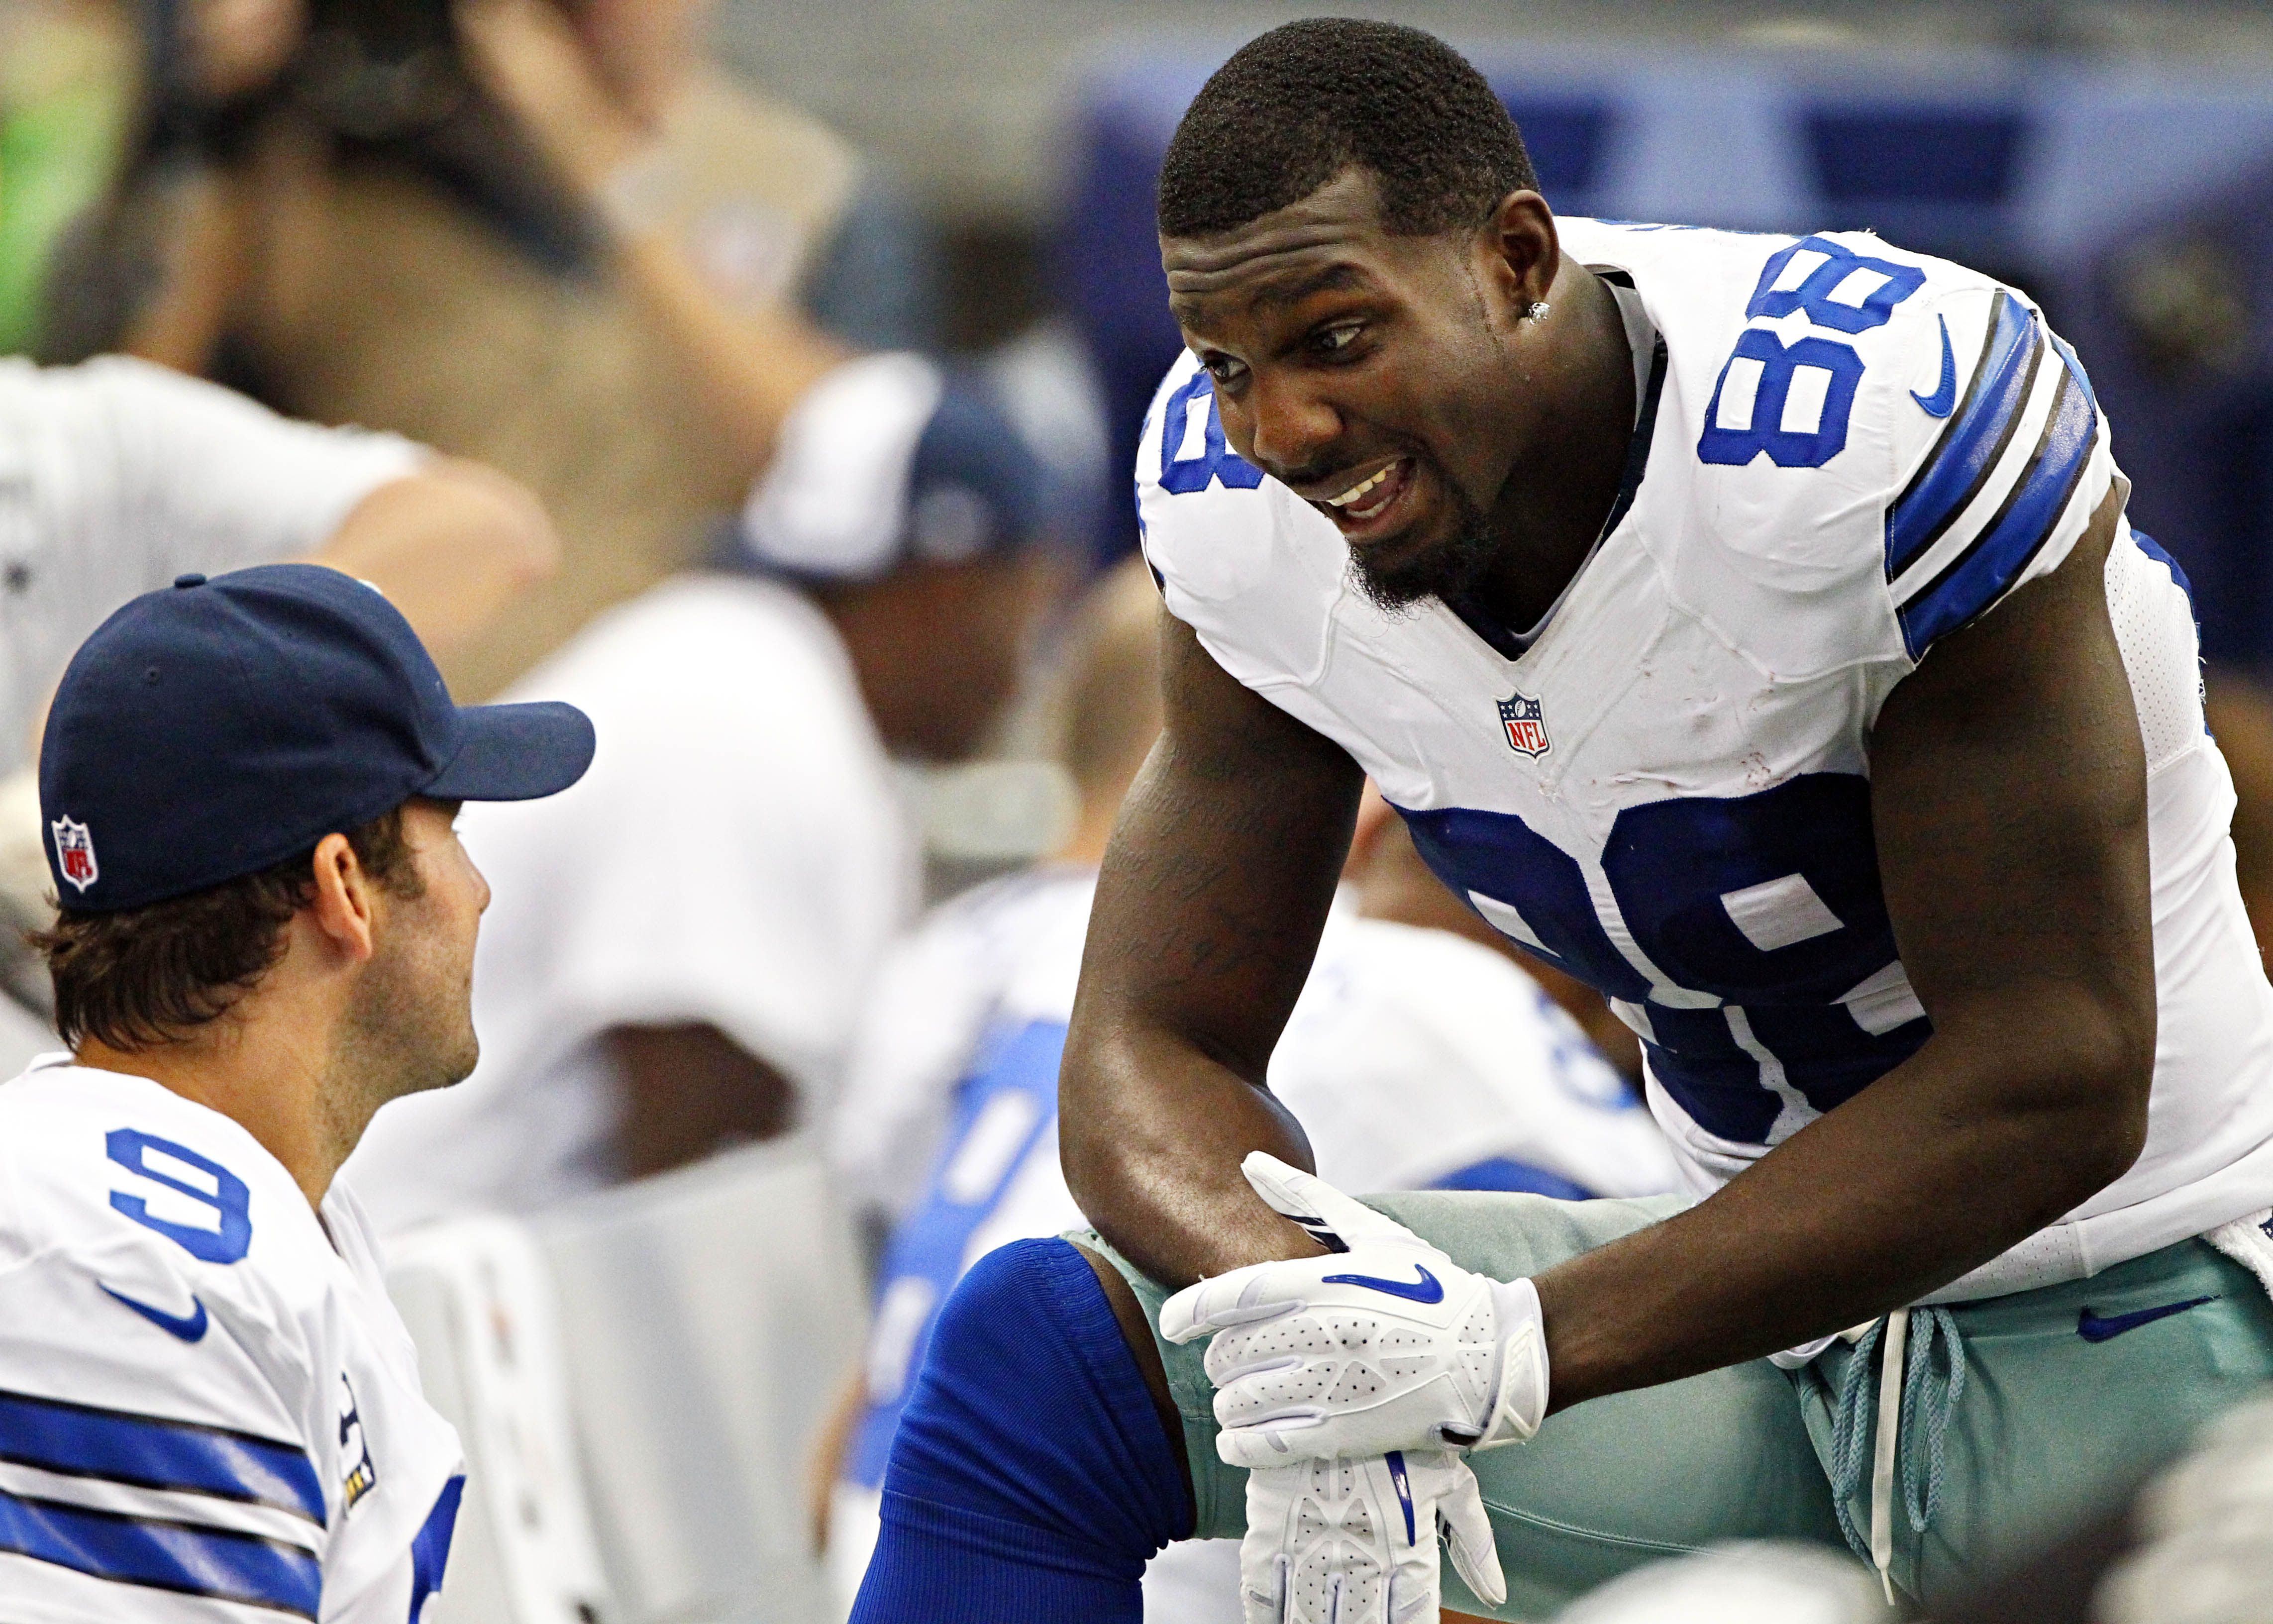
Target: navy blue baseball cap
893, 458
210, 730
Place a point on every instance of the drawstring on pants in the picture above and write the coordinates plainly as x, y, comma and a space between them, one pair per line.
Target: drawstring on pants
1914, 1397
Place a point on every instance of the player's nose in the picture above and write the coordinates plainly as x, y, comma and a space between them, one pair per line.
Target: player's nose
1290, 427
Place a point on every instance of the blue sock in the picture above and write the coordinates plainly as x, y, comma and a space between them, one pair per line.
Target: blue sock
1031, 1479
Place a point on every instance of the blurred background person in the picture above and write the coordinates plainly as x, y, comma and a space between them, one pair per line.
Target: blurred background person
1419, 1056
117, 476
544, 235
680, 945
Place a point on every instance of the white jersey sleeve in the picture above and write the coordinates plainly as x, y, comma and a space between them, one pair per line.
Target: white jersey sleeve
209, 1410
117, 476
207, 480
1881, 420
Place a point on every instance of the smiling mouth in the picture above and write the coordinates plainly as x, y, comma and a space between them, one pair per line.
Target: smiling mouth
1370, 498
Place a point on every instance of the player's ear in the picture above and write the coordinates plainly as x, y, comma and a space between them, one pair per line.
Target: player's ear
1522, 254
345, 896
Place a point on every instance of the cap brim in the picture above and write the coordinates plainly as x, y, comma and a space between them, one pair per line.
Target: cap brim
514, 752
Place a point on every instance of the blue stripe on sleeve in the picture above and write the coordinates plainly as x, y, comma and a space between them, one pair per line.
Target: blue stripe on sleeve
1500, 1172
1953, 473
1986, 570
430, 1548
151, 1452
165, 1556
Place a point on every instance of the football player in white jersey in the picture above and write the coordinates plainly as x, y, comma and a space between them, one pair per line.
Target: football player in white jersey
1750, 626
1420, 1055
209, 1411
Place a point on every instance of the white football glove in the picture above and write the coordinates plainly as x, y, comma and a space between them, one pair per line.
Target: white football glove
1386, 1346
1354, 1542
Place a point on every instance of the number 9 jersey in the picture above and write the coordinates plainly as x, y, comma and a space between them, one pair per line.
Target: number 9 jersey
209, 1410
1842, 453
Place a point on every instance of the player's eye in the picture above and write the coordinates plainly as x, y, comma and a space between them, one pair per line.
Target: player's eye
1334, 340
1223, 368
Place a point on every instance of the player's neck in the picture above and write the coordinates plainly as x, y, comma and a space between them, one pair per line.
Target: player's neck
1559, 494
258, 1066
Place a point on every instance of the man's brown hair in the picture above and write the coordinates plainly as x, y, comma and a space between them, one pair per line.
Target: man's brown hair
145, 976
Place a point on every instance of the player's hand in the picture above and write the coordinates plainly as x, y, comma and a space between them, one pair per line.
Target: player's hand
529, 56
1386, 1346
1354, 1542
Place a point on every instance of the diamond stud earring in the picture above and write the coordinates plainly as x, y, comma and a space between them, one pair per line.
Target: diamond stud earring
1538, 311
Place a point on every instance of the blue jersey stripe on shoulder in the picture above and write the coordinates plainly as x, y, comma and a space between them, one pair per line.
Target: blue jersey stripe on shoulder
161, 1555
1974, 438
1987, 569
1502, 1173
151, 1452
2153, 549
2075, 366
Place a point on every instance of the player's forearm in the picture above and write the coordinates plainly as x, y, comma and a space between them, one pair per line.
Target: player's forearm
1977, 1141
748, 368
1151, 1146
450, 545
1209, 907
207, 216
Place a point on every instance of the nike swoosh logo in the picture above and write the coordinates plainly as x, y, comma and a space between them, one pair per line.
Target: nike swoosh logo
1396, 1462
1428, 1289
2092, 1327
1943, 400
188, 1327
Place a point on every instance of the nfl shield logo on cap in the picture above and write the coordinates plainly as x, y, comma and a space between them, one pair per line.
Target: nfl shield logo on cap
74, 852
1526, 724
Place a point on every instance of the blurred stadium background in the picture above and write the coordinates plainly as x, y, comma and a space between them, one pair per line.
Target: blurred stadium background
642, 1372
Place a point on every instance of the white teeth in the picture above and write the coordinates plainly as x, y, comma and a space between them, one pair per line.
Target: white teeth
1359, 490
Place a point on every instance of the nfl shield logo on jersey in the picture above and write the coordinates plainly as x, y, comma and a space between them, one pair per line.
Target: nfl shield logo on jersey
1526, 724
74, 852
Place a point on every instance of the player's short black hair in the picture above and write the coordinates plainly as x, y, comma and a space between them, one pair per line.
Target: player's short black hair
1294, 107
143, 978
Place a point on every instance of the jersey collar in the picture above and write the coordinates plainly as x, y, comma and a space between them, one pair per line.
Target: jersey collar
1645, 339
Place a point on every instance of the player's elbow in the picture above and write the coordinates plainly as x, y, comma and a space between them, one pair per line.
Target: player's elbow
2091, 1075
499, 520
1085, 1141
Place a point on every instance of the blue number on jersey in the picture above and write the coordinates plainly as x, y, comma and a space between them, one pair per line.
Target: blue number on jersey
1764, 910
1005, 1108
230, 1200
1769, 896
1532, 892
1193, 454
1781, 364
1813, 294
1884, 285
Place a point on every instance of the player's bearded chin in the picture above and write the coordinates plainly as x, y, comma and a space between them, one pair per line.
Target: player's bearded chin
408, 1027
1450, 569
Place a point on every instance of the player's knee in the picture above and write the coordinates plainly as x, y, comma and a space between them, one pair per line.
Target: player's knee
1029, 1410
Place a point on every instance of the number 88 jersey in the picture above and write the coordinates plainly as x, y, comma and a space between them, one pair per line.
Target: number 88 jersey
1846, 453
